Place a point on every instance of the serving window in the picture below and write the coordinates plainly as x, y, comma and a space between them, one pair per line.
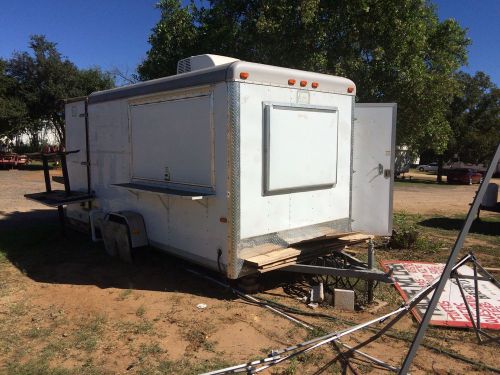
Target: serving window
300, 148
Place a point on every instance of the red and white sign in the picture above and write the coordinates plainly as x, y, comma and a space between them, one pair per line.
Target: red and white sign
411, 277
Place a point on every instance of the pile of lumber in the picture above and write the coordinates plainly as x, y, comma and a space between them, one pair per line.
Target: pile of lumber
304, 251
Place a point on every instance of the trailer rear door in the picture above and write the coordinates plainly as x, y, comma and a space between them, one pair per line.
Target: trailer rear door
76, 140
373, 167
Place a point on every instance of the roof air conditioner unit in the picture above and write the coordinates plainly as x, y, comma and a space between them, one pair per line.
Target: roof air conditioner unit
192, 63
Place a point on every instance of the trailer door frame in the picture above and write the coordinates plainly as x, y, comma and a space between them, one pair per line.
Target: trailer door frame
374, 137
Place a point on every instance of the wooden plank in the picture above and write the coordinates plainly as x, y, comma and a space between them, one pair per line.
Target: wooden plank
273, 256
326, 237
308, 250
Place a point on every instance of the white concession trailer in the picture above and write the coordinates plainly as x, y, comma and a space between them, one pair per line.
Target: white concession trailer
228, 160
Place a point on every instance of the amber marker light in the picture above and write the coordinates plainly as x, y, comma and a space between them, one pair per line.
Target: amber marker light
314, 85
244, 75
291, 82
350, 89
303, 83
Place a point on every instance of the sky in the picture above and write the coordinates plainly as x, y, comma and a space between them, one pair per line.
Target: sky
114, 33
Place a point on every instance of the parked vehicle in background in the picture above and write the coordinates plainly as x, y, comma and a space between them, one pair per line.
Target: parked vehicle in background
464, 176
431, 167
12, 160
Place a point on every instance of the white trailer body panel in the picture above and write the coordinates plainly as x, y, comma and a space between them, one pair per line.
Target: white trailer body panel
186, 228
328, 199
373, 168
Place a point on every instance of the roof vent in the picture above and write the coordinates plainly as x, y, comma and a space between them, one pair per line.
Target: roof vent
184, 65
192, 63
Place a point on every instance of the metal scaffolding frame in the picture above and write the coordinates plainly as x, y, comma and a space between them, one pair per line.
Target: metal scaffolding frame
450, 271
473, 210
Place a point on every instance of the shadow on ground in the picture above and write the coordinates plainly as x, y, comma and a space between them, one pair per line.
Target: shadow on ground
418, 181
32, 241
28, 167
486, 227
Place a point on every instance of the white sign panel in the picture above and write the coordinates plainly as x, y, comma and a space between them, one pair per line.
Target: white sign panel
451, 311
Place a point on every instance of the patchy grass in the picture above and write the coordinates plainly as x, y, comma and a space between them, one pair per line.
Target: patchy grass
152, 349
42, 344
18, 309
140, 311
438, 234
143, 327
89, 333
197, 336
38, 332
187, 367
41, 366
124, 294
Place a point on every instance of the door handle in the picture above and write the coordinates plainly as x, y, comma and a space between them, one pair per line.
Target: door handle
380, 169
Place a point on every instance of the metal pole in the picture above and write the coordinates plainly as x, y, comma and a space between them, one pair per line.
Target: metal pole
408, 306
445, 276
344, 359
64, 167
371, 259
468, 309
476, 297
46, 174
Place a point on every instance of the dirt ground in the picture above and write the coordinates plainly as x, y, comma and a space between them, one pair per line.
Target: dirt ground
419, 194
67, 308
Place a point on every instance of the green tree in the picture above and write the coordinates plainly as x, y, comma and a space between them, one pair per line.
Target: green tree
395, 50
475, 119
42, 79
12, 110
174, 37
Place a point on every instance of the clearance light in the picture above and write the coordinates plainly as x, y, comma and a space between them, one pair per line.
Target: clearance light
244, 75
314, 85
350, 89
291, 82
303, 83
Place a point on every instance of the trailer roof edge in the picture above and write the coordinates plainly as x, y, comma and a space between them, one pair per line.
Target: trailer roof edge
75, 99
256, 73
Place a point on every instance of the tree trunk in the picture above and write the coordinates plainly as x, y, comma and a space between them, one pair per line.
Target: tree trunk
440, 169
60, 131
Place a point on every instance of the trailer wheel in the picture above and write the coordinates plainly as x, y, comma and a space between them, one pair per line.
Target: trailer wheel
116, 239
249, 284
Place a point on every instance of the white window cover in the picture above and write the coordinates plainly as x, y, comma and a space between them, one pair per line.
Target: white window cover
300, 148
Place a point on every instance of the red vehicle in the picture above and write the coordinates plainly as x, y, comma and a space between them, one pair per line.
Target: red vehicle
12, 160
466, 176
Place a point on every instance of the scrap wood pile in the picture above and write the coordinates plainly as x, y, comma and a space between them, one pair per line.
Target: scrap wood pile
305, 251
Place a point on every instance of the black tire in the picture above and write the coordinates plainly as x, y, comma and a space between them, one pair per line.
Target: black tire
421, 169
